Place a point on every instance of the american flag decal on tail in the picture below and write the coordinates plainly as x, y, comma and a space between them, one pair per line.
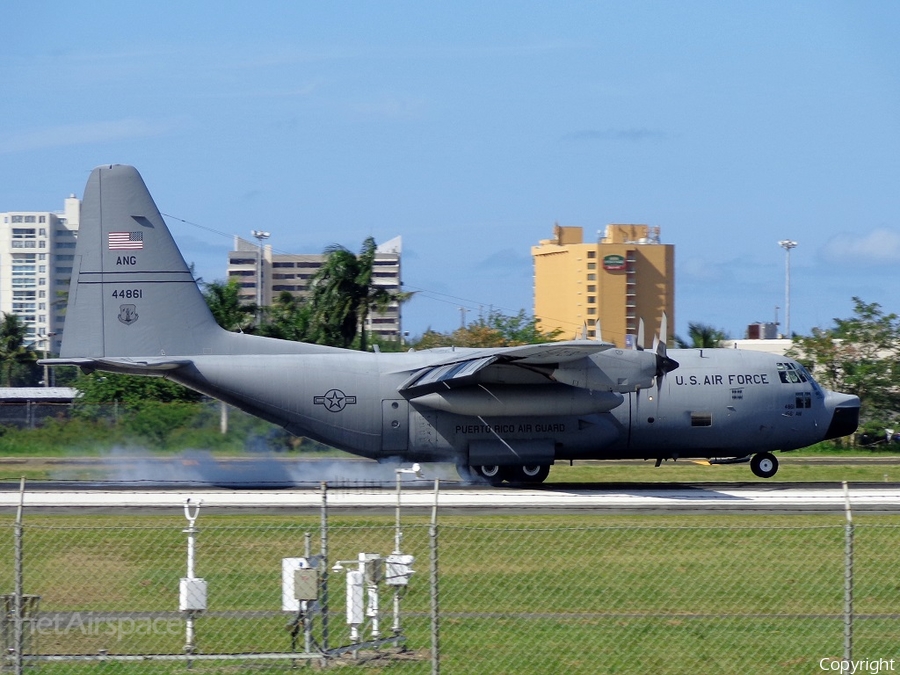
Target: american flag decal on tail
126, 241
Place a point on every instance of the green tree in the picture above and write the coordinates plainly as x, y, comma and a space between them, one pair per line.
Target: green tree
132, 391
18, 362
494, 330
287, 319
224, 301
159, 422
860, 355
343, 295
702, 336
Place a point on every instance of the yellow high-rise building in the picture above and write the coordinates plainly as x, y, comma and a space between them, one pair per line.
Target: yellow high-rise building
625, 276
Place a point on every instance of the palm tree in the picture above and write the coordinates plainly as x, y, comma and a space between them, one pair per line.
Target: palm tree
343, 295
15, 355
224, 301
703, 336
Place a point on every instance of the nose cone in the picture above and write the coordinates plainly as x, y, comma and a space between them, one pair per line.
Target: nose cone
844, 416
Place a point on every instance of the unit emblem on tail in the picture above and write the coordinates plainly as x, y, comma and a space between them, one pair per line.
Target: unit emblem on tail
128, 314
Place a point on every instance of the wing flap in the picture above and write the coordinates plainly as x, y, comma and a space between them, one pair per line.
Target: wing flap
445, 375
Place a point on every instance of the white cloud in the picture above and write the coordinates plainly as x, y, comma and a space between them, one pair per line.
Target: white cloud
700, 270
880, 246
504, 260
633, 135
85, 134
393, 107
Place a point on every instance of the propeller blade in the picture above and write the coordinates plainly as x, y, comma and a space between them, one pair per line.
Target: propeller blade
664, 364
663, 334
640, 336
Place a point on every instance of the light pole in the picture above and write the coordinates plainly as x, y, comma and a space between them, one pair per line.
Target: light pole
787, 245
46, 340
260, 237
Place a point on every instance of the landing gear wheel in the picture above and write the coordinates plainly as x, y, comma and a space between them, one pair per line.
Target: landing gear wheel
764, 464
530, 474
492, 473
466, 473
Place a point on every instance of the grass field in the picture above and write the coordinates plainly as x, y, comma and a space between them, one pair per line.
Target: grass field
803, 466
529, 593
518, 594
792, 468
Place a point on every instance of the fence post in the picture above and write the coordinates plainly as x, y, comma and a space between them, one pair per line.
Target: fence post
435, 615
18, 627
191, 590
324, 567
307, 618
848, 579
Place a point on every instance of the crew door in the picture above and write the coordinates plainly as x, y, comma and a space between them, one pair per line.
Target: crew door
395, 425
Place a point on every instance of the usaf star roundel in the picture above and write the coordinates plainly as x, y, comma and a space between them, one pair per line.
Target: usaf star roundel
334, 400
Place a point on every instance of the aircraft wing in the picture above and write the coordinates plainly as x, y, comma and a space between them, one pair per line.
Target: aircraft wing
461, 369
552, 352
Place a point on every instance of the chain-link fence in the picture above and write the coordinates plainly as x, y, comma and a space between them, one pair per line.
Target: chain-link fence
527, 593
30, 414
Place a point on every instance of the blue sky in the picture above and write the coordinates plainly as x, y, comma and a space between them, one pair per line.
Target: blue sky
470, 128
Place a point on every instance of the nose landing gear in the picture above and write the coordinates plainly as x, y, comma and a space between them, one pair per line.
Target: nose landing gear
764, 464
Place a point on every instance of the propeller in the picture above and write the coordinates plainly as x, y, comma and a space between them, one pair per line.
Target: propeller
664, 363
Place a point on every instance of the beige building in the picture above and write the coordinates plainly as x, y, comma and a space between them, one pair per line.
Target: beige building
293, 272
37, 252
625, 276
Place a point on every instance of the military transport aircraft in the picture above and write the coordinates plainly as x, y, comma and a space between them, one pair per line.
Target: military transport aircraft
505, 414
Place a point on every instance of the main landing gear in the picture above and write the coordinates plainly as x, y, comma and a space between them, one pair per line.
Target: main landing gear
764, 464
527, 474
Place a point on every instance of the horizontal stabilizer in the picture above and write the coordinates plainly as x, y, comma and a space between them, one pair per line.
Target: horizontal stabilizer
141, 366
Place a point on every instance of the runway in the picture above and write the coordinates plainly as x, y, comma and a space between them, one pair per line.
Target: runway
866, 498
145, 483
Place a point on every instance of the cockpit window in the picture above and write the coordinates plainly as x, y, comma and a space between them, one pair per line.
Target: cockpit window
811, 379
792, 373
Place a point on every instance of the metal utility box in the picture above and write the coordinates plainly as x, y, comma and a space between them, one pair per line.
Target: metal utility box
306, 584
192, 595
373, 564
299, 582
399, 569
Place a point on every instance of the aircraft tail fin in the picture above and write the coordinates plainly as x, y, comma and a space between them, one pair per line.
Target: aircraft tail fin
131, 292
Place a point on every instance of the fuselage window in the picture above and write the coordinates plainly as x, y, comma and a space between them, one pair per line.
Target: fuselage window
701, 419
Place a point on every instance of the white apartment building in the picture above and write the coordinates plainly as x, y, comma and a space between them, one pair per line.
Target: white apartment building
37, 251
292, 272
